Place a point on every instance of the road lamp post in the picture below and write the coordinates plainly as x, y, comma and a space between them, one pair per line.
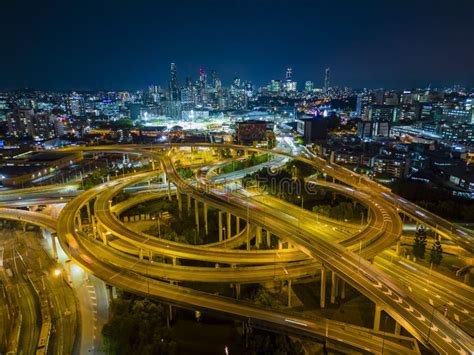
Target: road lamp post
300, 197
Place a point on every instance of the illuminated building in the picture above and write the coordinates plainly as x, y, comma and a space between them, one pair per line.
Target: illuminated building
308, 86
174, 85
327, 74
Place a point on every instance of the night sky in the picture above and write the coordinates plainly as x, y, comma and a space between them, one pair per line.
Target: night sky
88, 45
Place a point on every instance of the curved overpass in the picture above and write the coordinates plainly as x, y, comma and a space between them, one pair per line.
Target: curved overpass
414, 316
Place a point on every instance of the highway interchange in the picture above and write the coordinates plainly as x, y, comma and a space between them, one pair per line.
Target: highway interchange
358, 255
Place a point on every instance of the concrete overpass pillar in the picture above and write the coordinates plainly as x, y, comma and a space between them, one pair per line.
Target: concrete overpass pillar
229, 225
322, 301
343, 289
79, 221
189, 203
55, 247
289, 293
140, 254
169, 190
196, 214
280, 244
220, 225
174, 260
269, 238
333, 287
180, 202
398, 328
94, 227
398, 247
88, 207
237, 291
104, 238
206, 224
258, 240
248, 235
237, 225
378, 312
164, 178
152, 164
150, 256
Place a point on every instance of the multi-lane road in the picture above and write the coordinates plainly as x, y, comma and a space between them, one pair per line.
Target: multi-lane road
335, 247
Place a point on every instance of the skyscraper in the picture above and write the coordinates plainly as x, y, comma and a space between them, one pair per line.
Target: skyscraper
327, 73
174, 86
289, 73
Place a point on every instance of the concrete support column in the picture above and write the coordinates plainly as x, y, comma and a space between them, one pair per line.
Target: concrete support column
220, 225
248, 235
188, 203
343, 289
206, 225
104, 238
174, 261
180, 203
94, 227
153, 165
398, 328
140, 254
55, 247
398, 247
237, 225
237, 291
280, 244
258, 240
79, 221
289, 293
88, 207
322, 301
150, 256
169, 190
378, 312
333, 287
196, 214
229, 225
269, 239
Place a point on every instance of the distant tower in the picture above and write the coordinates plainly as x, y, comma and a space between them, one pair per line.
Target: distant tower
289, 74
213, 78
174, 86
327, 74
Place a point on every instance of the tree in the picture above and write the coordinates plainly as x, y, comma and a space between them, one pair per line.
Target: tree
138, 326
419, 247
436, 253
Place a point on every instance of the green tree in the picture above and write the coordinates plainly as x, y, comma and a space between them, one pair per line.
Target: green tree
419, 246
436, 253
138, 326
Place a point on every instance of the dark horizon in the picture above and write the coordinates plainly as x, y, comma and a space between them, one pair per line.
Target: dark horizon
120, 45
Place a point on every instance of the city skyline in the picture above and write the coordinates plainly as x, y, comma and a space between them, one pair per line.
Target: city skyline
115, 46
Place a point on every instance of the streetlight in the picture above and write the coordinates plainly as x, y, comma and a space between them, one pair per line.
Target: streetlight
300, 197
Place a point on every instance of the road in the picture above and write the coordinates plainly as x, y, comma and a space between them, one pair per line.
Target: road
414, 316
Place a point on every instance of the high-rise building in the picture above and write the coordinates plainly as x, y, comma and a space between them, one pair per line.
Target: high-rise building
363, 102
327, 74
289, 74
75, 105
383, 113
309, 86
174, 85
213, 78
275, 86
379, 96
